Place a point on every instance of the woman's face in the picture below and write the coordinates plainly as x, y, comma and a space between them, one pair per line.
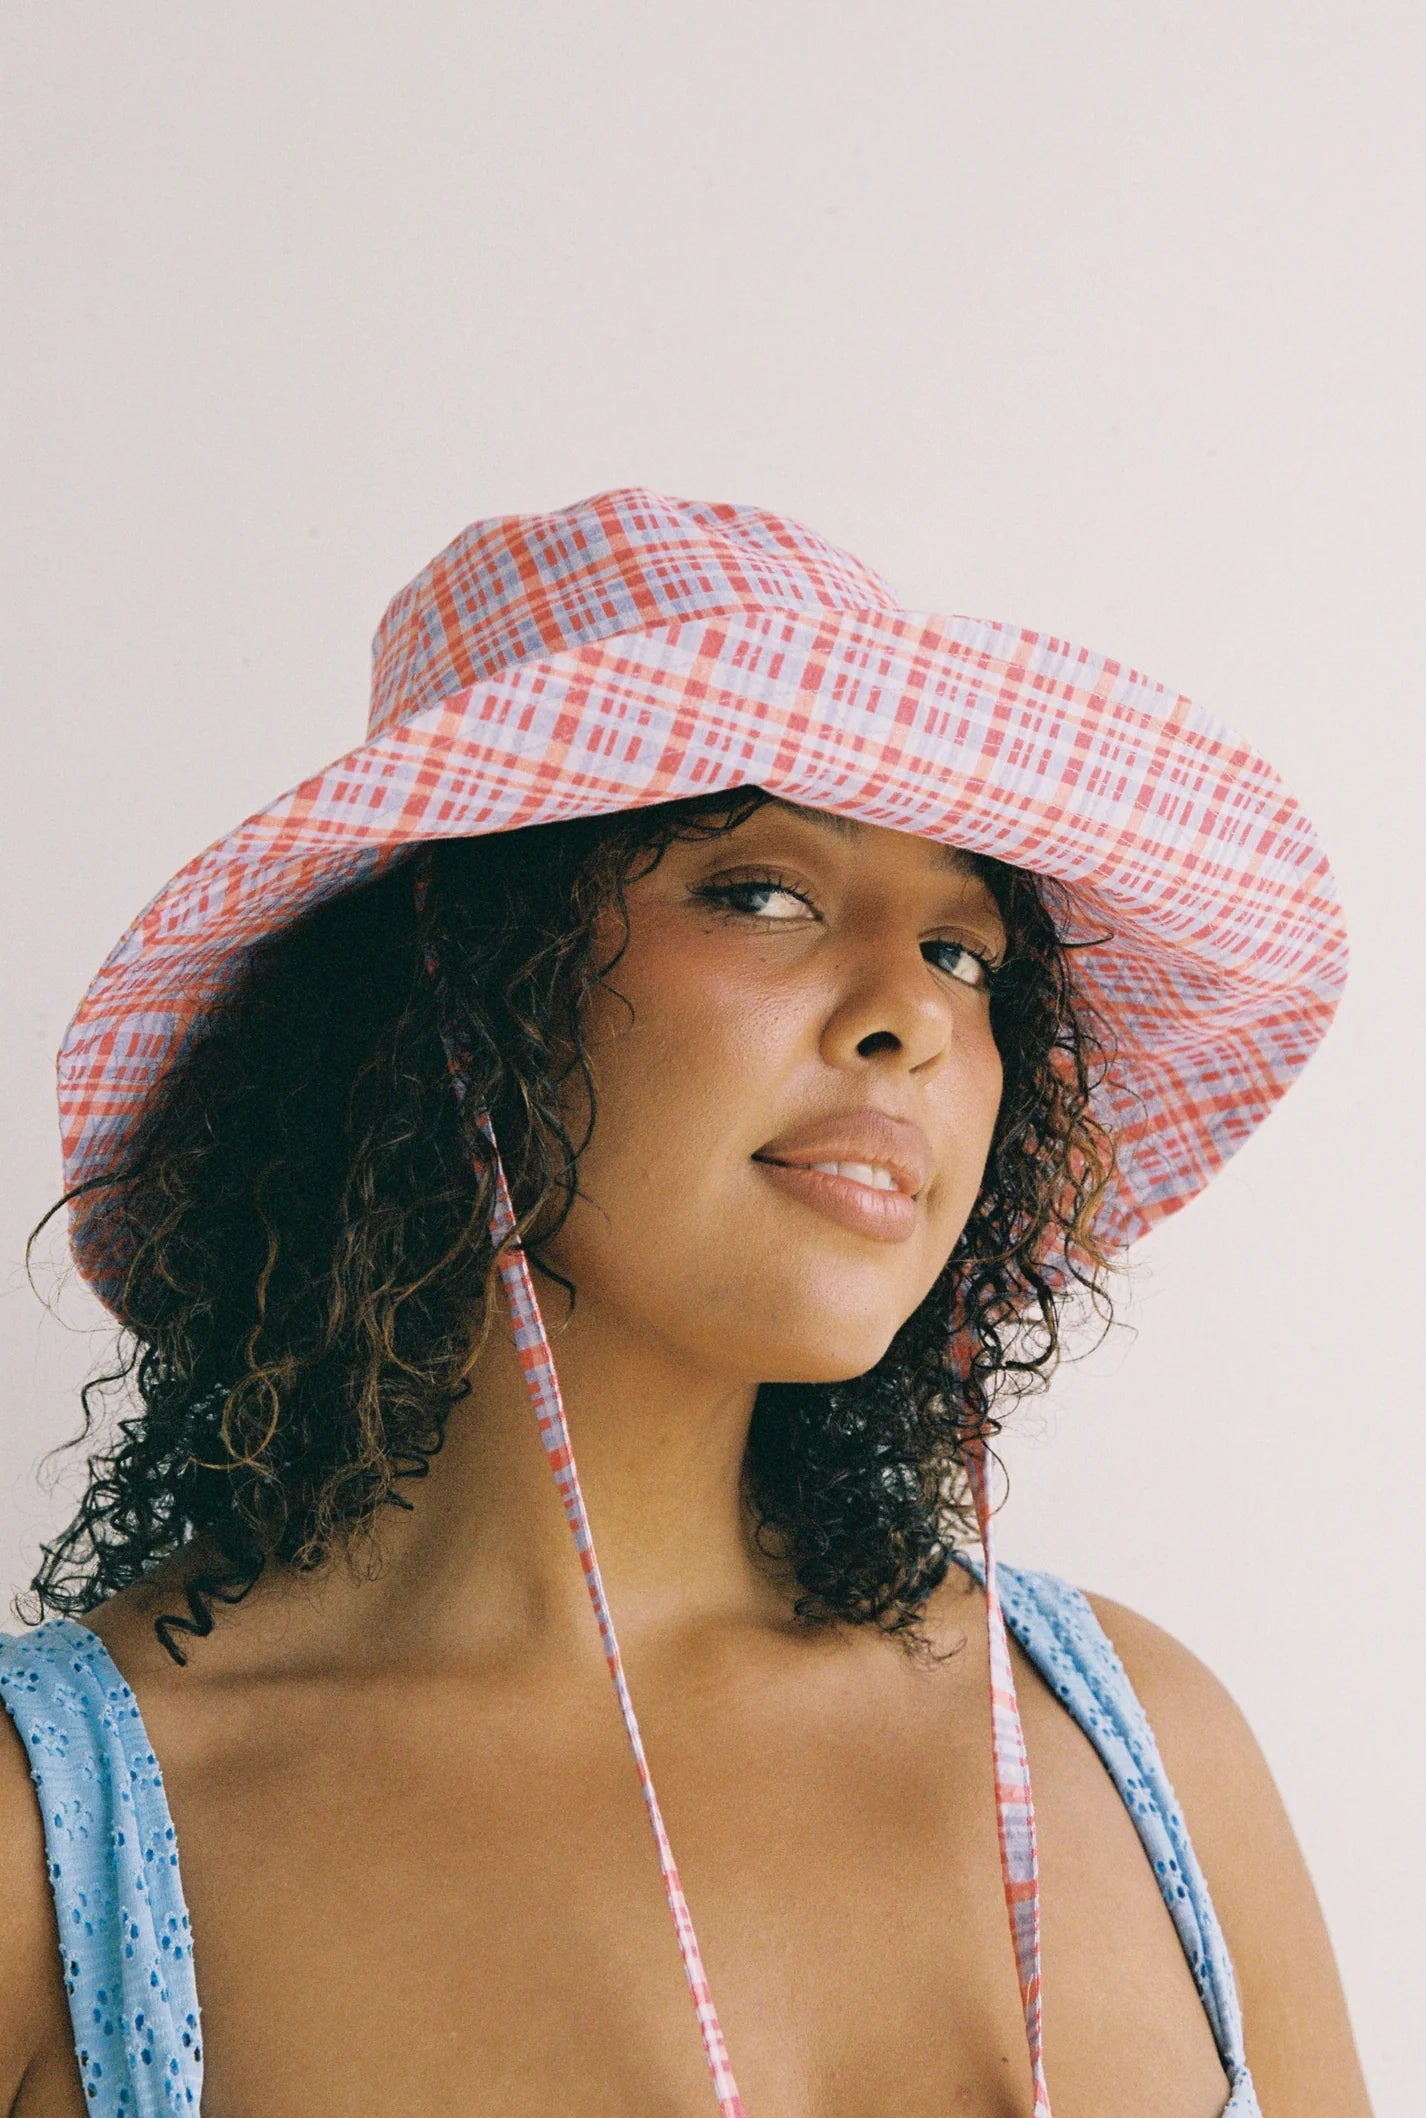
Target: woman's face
795, 1096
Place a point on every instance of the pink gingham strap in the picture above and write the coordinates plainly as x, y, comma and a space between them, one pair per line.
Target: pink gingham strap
1014, 1805
538, 1366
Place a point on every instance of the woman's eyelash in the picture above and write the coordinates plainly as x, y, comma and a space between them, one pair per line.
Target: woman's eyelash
727, 894
989, 968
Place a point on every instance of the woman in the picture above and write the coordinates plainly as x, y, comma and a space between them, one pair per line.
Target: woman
796, 1002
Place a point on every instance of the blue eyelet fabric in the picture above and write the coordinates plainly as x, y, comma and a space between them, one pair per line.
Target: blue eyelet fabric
113, 1857
1071, 1651
113, 1867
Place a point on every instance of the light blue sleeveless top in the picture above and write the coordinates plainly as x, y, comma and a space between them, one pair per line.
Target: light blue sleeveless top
113, 1858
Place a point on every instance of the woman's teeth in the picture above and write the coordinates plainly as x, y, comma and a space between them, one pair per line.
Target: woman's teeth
860, 1173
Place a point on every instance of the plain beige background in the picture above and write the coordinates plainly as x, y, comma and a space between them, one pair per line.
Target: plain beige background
1105, 317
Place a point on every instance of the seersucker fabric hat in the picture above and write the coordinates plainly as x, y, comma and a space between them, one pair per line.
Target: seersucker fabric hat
635, 649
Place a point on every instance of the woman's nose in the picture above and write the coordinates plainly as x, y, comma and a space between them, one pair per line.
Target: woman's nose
891, 1008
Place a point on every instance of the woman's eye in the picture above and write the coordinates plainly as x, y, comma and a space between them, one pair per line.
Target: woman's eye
958, 961
764, 899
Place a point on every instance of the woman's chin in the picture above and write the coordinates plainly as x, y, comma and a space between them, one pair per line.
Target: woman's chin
834, 1357
823, 1374
792, 1339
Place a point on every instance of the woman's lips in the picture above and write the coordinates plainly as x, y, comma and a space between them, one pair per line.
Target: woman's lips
886, 1216
863, 1169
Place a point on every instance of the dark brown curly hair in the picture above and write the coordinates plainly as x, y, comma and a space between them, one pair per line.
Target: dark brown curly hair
306, 1207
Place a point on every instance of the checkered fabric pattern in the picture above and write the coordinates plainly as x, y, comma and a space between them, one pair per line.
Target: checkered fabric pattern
1014, 1800
634, 649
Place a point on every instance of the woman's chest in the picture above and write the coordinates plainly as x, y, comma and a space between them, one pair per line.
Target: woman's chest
434, 1911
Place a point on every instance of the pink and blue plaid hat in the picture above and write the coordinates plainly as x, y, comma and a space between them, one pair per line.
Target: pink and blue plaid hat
634, 648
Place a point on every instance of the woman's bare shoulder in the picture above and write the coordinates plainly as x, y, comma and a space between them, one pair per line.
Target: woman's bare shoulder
1172, 1682
1299, 2037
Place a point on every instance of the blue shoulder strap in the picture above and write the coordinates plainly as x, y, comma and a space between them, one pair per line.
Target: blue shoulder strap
113, 1865
1059, 1632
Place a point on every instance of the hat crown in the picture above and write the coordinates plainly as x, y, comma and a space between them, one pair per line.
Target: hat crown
520, 588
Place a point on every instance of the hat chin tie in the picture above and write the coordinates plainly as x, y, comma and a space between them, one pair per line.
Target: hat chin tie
1014, 1803
538, 1367
1014, 1806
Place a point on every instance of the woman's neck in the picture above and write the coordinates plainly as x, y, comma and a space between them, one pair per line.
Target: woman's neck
484, 1562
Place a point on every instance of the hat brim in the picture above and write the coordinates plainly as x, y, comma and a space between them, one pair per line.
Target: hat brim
1226, 950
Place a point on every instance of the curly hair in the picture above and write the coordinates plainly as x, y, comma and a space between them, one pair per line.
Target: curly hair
306, 1209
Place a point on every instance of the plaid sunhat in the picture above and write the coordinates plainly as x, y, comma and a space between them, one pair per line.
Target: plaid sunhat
634, 649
